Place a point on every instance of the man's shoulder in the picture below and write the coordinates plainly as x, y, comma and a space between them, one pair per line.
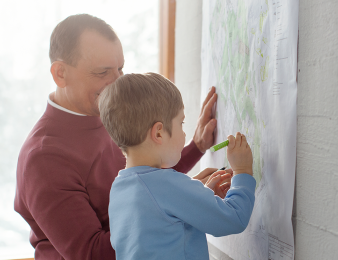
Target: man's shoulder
53, 133
35, 136
51, 138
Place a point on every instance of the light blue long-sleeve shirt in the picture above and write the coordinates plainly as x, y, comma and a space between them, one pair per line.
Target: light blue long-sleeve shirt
164, 214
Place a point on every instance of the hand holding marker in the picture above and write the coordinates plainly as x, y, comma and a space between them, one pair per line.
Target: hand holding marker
239, 155
219, 146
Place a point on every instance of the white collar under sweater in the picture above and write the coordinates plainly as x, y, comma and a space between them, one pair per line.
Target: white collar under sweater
50, 102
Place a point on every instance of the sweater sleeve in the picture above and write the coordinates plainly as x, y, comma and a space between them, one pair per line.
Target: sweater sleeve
190, 201
57, 199
189, 157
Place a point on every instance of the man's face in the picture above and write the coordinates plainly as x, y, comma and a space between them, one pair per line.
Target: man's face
100, 64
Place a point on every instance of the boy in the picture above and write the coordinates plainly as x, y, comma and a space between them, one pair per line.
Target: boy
160, 213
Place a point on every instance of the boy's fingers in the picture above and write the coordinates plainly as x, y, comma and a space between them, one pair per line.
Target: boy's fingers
226, 181
230, 171
225, 178
238, 139
226, 190
212, 176
244, 142
211, 183
204, 174
219, 192
232, 142
225, 186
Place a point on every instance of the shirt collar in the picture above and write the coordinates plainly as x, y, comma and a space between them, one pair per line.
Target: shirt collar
62, 108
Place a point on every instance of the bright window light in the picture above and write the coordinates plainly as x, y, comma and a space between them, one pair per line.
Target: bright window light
25, 80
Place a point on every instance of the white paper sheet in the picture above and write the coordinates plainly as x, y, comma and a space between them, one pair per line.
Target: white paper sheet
249, 53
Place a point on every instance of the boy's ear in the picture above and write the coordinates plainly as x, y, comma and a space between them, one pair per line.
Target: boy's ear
156, 133
58, 70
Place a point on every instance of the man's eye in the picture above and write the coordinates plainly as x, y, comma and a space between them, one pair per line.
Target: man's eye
102, 73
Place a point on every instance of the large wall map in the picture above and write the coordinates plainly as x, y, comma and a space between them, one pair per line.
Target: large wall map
249, 52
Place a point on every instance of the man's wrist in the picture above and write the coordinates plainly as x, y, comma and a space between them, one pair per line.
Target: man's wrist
199, 145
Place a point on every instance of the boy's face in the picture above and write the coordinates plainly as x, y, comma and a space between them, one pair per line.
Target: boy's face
174, 144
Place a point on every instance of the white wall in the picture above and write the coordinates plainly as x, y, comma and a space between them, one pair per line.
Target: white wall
316, 193
188, 62
315, 215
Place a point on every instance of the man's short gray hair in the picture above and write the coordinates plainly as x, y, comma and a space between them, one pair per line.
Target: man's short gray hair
64, 40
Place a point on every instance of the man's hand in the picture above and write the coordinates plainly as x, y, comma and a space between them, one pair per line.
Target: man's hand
204, 133
219, 183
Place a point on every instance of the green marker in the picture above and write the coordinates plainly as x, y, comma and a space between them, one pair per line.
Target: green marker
219, 146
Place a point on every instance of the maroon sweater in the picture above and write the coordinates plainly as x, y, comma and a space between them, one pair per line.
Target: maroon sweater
65, 171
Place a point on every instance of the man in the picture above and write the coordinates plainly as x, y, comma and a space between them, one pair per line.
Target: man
68, 162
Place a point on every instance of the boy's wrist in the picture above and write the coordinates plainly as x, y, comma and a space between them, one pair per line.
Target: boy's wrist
239, 171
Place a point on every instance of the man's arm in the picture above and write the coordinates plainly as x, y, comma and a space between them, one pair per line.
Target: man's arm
56, 197
189, 157
204, 135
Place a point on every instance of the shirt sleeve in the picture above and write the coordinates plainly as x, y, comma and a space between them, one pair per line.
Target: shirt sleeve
189, 157
57, 199
187, 200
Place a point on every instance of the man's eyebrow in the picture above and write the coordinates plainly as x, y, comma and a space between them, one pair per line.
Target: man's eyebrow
101, 68
106, 68
98, 70
121, 66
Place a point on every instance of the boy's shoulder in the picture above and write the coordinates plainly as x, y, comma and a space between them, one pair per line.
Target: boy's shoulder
154, 176
148, 171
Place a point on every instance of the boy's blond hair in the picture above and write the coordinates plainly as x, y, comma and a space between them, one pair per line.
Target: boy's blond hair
134, 103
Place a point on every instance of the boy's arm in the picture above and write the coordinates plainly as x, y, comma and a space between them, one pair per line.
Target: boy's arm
190, 201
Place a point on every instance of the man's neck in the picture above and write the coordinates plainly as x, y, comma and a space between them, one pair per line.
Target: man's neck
61, 97
51, 101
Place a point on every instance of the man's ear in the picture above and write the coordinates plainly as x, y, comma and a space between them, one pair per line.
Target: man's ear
58, 70
156, 133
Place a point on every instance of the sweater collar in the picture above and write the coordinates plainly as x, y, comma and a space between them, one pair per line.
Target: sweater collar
52, 103
138, 170
72, 120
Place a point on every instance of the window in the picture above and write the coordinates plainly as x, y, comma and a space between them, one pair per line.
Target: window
25, 80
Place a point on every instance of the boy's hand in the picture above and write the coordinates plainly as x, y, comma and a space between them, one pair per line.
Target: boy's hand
239, 154
220, 183
206, 174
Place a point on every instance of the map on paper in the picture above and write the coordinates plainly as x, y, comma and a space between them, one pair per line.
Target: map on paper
249, 53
